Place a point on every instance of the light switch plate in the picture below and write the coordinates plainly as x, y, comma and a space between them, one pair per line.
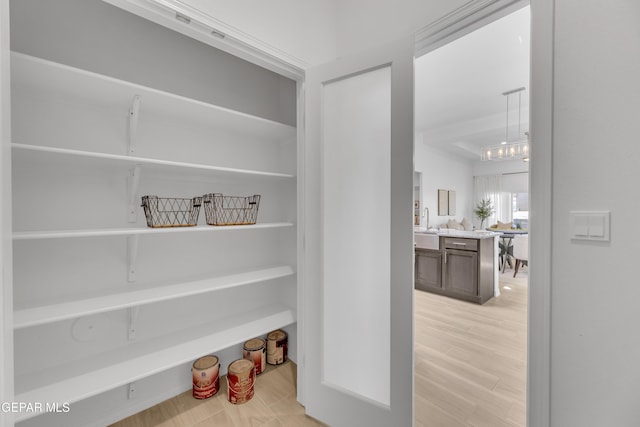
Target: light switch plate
590, 225
597, 226
580, 225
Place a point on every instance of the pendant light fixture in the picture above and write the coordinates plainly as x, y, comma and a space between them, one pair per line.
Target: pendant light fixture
516, 150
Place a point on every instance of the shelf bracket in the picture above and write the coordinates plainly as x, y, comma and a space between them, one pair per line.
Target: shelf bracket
133, 184
133, 123
132, 391
132, 257
133, 313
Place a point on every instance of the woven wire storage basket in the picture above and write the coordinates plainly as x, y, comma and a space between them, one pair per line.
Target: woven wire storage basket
171, 212
230, 210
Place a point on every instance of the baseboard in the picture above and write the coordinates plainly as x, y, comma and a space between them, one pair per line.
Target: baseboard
137, 406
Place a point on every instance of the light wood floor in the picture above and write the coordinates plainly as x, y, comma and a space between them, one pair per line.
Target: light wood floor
470, 370
273, 405
470, 360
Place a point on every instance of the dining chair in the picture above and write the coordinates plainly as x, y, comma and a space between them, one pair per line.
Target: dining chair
520, 251
506, 251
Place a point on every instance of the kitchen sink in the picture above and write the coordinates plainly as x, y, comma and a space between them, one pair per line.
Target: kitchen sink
427, 241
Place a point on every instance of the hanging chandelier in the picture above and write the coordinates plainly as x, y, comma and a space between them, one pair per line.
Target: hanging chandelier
515, 150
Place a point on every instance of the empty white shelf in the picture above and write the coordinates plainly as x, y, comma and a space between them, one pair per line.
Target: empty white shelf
106, 232
49, 77
135, 295
36, 151
82, 379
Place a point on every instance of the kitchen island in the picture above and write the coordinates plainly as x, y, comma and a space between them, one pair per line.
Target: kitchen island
458, 264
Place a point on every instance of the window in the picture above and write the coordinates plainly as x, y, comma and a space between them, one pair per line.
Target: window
520, 210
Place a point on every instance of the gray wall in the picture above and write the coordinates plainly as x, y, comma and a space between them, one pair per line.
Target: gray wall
99, 37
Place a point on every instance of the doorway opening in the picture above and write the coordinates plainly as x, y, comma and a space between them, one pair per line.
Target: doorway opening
471, 357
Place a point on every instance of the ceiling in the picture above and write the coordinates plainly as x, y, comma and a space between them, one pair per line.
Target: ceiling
460, 106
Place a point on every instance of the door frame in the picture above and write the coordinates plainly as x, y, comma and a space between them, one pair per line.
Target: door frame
464, 20
6, 257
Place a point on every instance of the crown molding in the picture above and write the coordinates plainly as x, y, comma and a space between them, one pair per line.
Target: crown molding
191, 22
465, 19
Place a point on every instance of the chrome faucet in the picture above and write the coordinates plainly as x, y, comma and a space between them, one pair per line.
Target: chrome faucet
426, 213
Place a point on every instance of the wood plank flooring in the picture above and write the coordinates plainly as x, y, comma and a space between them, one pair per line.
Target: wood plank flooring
470, 360
273, 405
470, 371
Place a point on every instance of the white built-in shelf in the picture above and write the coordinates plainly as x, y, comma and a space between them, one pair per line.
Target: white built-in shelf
85, 378
34, 153
136, 295
126, 231
69, 87
49, 77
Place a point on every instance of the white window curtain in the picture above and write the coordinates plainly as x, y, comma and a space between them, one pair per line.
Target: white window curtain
490, 187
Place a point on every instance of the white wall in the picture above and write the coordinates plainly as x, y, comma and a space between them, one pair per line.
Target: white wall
595, 348
441, 170
364, 24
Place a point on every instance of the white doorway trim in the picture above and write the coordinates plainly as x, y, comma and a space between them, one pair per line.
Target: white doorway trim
465, 19
469, 17
541, 199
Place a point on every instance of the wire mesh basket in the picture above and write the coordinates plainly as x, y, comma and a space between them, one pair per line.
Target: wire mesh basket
171, 212
230, 210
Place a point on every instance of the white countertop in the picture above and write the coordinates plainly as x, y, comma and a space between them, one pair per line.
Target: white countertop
475, 234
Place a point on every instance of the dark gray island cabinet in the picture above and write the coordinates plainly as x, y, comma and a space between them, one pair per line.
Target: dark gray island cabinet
463, 268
